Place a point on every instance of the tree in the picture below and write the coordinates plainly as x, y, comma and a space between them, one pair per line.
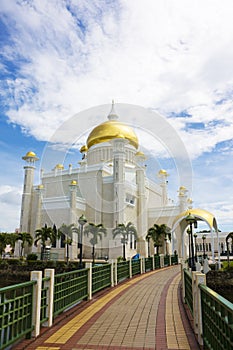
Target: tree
26, 239
4, 240
67, 231
124, 231
159, 234
45, 234
96, 231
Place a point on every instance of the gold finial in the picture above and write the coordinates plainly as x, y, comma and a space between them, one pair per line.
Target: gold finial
112, 115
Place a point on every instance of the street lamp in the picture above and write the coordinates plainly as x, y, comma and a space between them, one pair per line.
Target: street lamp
82, 221
195, 239
190, 219
203, 239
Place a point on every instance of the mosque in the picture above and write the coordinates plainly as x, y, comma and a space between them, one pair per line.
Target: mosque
110, 186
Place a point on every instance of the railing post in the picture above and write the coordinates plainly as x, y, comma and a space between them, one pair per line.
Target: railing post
142, 265
89, 280
49, 273
36, 276
112, 272
170, 260
200, 279
130, 268
115, 277
182, 266
153, 262
161, 256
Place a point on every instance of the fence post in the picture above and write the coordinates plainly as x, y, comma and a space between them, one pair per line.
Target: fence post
89, 279
112, 272
182, 266
142, 265
153, 262
130, 268
170, 260
50, 296
200, 279
115, 277
161, 260
36, 276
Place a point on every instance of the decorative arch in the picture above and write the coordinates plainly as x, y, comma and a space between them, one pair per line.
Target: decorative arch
200, 215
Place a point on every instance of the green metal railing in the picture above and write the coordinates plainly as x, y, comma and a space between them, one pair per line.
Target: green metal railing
188, 289
166, 260
136, 267
69, 288
157, 261
122, 271
44, 298
101, 277
16, 303
217, 320
149, 263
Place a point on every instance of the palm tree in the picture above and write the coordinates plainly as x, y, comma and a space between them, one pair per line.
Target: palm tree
4, 240
124, 231
67, 231
45, 234
26, 239
96, 231
159, 233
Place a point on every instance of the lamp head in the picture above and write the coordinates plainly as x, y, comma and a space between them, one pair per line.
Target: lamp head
190, 218
82, 220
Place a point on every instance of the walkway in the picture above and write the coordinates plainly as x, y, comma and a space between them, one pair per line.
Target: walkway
142, 313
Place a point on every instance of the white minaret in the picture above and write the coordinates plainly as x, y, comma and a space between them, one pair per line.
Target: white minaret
26, 207
162, 174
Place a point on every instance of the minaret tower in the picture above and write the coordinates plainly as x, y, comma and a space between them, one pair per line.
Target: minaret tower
25, 219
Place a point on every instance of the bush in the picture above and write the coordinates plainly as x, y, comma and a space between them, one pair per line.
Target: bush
31, 257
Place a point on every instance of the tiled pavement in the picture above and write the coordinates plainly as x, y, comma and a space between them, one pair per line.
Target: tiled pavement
142, 313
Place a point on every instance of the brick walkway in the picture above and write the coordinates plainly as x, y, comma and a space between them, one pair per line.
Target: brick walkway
142, 313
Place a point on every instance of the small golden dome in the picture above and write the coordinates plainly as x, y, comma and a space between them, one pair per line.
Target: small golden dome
182, 188
30, 156
59, 166
40, 187
73, 182
162, 172
140, 154
109, 130
83, 149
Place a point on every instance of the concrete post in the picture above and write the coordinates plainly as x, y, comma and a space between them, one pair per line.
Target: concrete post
36, 276
170, 260
115, 277
142, 265
182, 266
161, 260
50, 296
195, 306
200, 279
153, 262
112, 272
89, 280
130, 268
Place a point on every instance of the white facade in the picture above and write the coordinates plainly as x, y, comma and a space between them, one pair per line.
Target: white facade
110, 186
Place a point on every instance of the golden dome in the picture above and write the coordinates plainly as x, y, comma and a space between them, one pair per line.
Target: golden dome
162, 172
59, 166
40, 187
109, 130
140, 154
83, 149
73, 182
30, 156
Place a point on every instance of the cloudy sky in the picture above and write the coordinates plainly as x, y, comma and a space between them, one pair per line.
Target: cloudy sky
61, 57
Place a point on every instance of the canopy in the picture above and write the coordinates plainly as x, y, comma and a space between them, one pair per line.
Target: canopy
200, 214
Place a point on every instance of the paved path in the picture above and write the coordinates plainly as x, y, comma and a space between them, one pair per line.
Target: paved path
142, 313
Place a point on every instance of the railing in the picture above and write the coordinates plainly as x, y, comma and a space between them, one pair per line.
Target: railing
157, 261
54, 294
136, 267
122, 271
166, 260
16, 303
69, 288
212, 314
174, 259
188, 290
149, 263
101, 277
217, 320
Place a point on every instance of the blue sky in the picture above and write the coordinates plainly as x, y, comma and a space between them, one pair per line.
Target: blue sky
61, 57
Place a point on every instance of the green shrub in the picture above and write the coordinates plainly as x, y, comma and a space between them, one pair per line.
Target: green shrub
31, 257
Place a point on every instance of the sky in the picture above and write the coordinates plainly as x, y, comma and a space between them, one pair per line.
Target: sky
61, 58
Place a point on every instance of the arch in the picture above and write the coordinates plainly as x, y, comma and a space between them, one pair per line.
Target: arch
200, 215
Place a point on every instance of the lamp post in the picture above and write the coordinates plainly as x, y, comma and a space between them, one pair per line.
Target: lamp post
82, 221
195, 239
203, 239
190, 219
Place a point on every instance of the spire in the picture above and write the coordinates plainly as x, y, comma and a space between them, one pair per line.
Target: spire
112, 115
